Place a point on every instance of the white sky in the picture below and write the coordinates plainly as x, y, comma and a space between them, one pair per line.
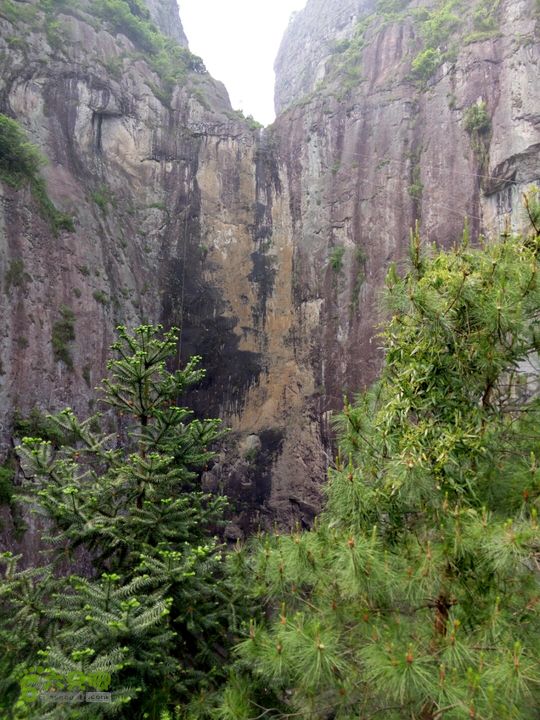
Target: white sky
238, 41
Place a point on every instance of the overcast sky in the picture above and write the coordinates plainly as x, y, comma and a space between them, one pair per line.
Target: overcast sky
238, 41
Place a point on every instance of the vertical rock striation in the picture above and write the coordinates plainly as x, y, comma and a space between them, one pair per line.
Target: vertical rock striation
370, 148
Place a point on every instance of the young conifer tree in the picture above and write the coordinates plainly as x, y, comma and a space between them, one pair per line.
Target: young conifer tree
416, 596
155, 609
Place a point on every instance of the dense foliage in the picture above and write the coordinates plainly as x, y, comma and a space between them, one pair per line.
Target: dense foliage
154, 609
416, 595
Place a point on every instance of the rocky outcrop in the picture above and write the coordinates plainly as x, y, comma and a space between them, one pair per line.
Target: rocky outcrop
269, 248
167, 18
309, 42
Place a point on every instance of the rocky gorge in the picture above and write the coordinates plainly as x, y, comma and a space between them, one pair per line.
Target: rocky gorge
268, 247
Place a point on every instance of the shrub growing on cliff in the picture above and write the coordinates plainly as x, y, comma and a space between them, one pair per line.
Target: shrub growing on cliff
20, 163
131, 19
476, 119
155, 609
15, 275
440, 24
416, 595
425, 63
477, 124
336, 258
63, 333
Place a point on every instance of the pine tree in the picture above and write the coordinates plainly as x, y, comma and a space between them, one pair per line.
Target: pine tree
156, 607
24, 625
416, 595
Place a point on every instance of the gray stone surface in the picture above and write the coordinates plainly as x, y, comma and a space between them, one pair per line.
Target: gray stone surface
307, 45
250, 446
167, 17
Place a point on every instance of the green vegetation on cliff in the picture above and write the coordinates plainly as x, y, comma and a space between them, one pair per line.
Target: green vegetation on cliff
336, 258
476, 119
63, 333
169, 60
441, 28
20, 164
172, 62
20, 161
477, 123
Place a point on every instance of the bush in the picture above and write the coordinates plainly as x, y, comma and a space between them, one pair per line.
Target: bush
336, 258
20, 161
58, 220
436, 28
426, 62
101, 197
484, 18
138, 8
477, 123
15, 275
439, 26
101, 297
476, 119
348, 67
63, 333
55, 36
7, 473
340, 46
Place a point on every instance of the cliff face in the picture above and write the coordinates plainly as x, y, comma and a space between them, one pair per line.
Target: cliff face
310, 40
372, 146
172, 197
123, 150
268, 248
397, 113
